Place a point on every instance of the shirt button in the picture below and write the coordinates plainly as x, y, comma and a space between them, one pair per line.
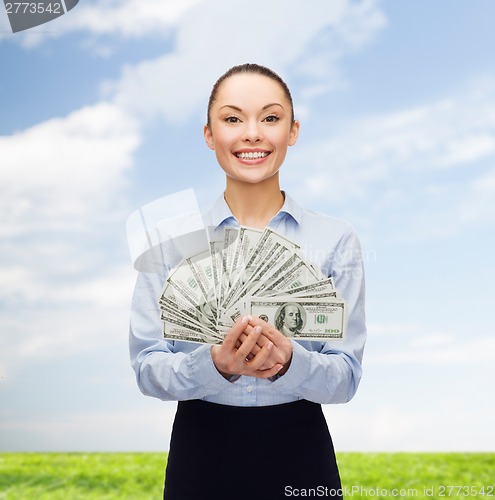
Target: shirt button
249, 388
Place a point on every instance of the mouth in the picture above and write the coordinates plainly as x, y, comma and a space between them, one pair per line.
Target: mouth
251, 155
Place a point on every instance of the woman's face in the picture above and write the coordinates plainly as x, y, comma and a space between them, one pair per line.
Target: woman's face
250, 127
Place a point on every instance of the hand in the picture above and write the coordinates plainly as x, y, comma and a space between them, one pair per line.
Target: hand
281, 353
231, 357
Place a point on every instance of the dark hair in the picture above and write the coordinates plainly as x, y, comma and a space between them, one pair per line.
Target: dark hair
249, 68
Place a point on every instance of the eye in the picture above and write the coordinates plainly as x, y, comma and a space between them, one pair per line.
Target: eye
232, 119
271, 119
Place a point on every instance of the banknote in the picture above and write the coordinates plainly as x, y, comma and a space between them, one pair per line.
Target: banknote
270, 253
182, 293
312, 319
178, 330
247, 240
325, 285
249, 271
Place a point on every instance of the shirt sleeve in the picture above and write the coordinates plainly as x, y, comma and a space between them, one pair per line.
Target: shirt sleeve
162, 371
330, 372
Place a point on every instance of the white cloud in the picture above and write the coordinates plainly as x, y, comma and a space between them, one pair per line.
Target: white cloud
218, 25
24, 283
144, 428
126, 18
427, 351
469, 148
477, 205
52, 321
397, 426
214, 35
402, 344
427, 168
129, 18
4, 24
58, 172
62, 185
369, 150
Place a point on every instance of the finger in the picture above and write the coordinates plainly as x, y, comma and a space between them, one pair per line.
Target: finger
235, 332
248, 345
255, 321
262, 357
268, 373
256, 350
259, 343
249, 328
269, 331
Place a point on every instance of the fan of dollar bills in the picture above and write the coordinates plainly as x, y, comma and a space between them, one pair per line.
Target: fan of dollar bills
248, 271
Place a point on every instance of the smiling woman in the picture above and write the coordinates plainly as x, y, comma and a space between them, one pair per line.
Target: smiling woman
250, 125
249, 420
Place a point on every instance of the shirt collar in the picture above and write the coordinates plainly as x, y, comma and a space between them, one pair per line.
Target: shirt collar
220, 213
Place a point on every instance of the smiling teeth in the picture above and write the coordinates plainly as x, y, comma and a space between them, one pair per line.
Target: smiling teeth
251, 156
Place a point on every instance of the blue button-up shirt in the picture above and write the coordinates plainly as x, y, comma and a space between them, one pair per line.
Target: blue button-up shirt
323, 372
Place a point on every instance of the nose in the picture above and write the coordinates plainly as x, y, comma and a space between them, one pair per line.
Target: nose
252, 132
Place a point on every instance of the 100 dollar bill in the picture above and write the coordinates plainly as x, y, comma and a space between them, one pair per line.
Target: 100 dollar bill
305, 319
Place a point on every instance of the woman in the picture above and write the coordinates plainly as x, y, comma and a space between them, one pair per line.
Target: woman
249, 422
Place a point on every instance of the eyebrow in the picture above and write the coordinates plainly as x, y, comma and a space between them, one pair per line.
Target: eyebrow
262, 109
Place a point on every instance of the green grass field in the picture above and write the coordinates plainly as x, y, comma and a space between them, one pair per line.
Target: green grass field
140, 475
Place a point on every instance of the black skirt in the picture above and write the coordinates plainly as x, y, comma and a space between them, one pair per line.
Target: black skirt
222, 452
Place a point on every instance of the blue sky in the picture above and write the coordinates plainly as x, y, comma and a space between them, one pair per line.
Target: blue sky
102, 111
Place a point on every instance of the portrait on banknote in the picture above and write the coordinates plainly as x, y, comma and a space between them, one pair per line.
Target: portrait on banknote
290, 319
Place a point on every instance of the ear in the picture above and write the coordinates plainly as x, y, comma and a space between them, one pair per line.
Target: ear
294, 132
209, 137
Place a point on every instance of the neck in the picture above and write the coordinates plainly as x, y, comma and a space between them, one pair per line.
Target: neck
254, 205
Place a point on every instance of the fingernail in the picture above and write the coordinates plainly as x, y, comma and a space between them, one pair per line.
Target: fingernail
270, 345
257, 329
245, 320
